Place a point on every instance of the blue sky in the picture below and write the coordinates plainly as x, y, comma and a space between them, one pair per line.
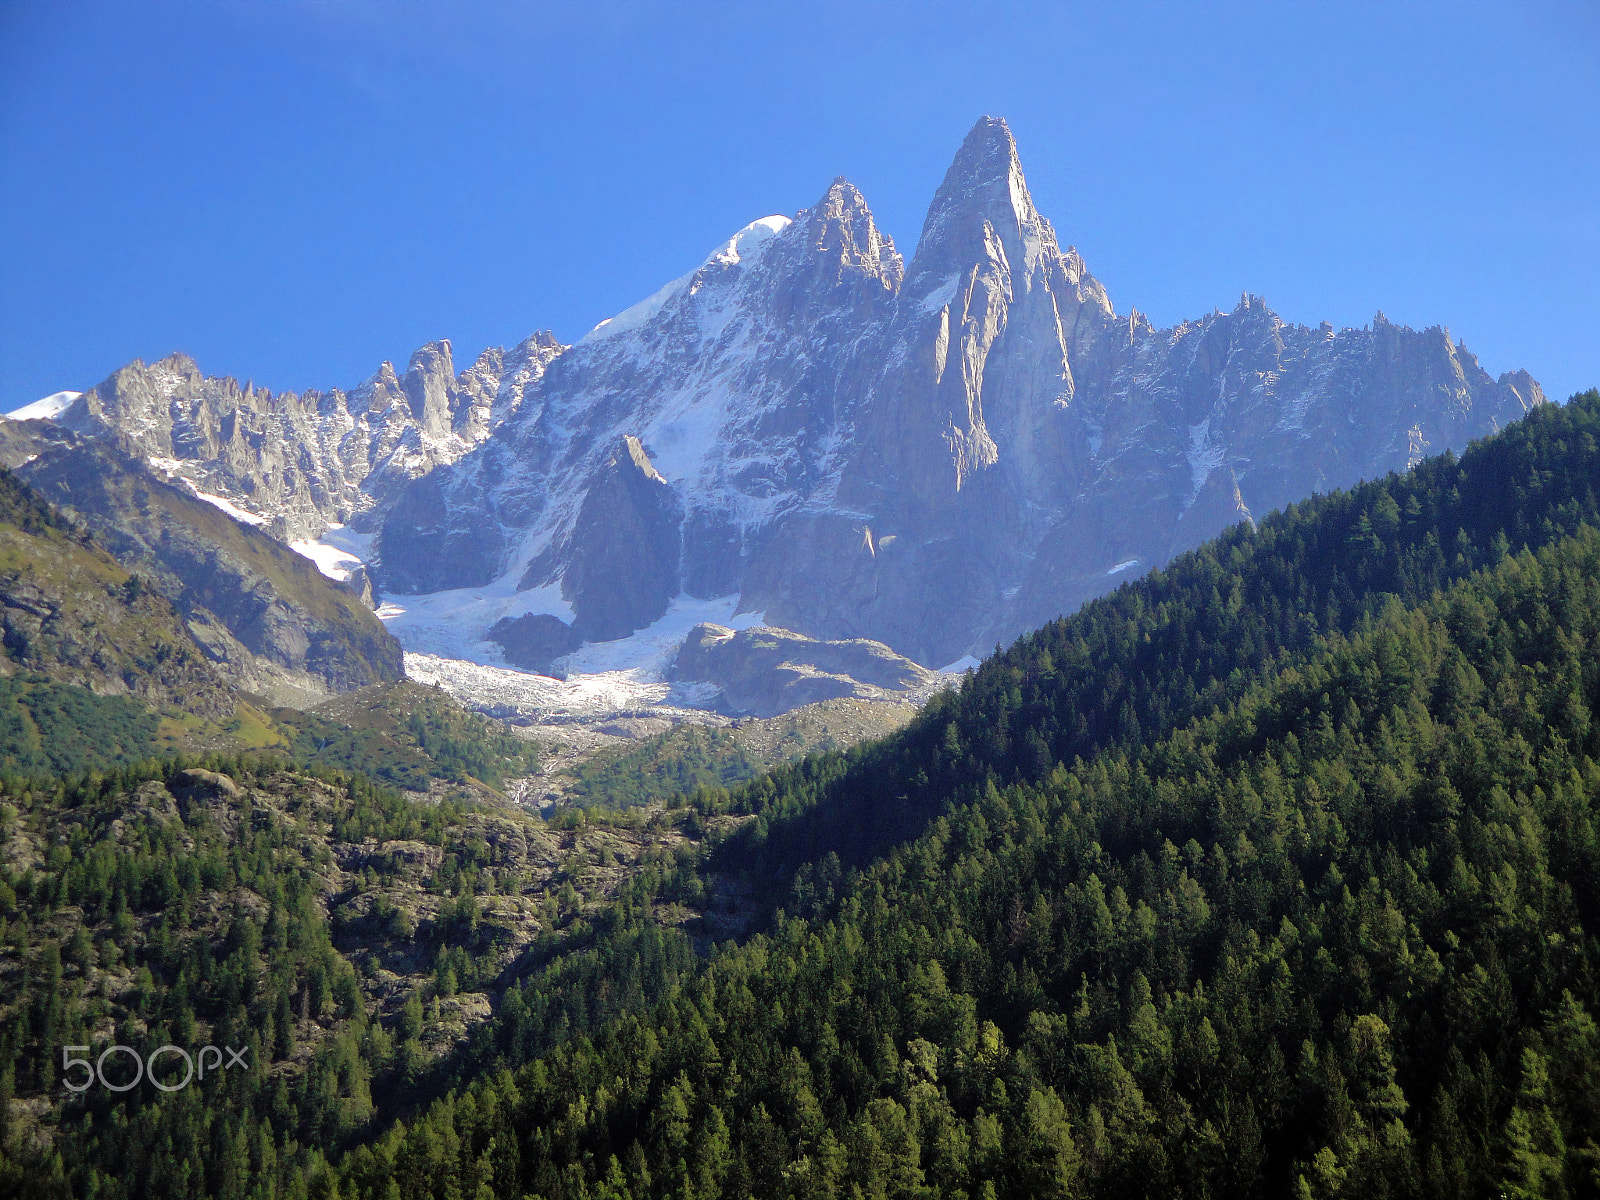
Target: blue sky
292, 193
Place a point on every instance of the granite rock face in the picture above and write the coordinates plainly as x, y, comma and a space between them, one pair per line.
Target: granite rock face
937, 455
621, 571
311, 459
764, 671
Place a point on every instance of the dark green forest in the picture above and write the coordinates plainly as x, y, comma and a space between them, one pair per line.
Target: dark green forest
697, 758
56, 728
1274, 873
434, 739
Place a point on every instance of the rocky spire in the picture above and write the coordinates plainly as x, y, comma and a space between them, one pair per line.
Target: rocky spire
430, 385
841, 226
833, 261
983, 216
984, 200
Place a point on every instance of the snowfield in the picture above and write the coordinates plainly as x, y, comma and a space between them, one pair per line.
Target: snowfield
339, 551
228, 506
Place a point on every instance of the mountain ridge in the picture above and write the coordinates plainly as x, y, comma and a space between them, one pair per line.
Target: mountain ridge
355, 448
937, 454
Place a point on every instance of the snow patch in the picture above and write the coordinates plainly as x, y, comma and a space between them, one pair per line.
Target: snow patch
171, 468
48, 409
961, 666
228, 506
747, 242
331, 560
1204, 455
342, 537
1123, 566
941, 295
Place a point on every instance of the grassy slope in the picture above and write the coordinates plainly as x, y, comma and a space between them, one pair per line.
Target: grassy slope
141, 518
99, 669
73, 614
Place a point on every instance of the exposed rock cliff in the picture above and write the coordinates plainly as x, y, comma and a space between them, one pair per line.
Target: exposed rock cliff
535, 641
622, 567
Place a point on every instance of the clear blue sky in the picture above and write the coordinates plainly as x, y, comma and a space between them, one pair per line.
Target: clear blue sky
294, 192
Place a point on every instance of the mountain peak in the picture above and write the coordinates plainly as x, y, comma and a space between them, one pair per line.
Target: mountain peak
989, 149
429, 353
842, 197
984, 196
841, 225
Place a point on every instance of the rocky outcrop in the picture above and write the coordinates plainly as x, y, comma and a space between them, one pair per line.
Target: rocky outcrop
360, 585
316, 458
764, 671
534, 641
267, 618
621, 569
937, 456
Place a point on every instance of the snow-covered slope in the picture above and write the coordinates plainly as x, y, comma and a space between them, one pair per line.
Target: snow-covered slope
48, 409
